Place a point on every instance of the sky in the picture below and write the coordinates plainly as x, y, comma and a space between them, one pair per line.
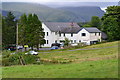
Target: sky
40, 1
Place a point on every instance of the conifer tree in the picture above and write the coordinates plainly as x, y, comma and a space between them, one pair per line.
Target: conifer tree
8, 29
32, 27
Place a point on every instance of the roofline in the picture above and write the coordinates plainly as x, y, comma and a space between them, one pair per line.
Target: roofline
91, 27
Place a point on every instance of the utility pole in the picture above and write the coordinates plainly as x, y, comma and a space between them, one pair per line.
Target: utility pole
17, 37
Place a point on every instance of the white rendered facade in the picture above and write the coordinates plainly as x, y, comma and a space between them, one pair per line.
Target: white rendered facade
82, 36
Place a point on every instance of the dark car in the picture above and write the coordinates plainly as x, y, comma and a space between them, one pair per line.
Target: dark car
11, 47
56, 44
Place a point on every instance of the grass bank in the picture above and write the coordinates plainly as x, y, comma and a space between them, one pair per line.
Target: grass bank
97, 63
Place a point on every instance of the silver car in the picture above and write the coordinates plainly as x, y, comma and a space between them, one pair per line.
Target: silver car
32, 53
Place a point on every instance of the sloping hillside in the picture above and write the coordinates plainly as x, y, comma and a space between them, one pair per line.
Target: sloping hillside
85, 12
45, 13
119, 3
91, 63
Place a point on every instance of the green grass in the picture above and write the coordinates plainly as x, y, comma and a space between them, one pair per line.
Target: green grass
98, 63
87, 69
82, 55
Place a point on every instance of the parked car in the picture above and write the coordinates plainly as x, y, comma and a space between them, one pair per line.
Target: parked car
19, 47
54, 47
55, 44
32, 53
11, 47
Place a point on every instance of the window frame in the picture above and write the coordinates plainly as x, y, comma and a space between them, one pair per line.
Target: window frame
47, 33
83, 35
71, 34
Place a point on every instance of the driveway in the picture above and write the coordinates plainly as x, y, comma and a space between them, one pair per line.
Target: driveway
44, 48
83, 49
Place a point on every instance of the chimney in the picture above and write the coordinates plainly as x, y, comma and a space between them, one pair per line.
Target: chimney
72, 24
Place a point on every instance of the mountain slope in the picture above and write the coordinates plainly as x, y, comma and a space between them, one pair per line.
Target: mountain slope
119, 3
45, 13
65, 14
86, 12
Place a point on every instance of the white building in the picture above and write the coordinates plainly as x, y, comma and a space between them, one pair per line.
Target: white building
58, 31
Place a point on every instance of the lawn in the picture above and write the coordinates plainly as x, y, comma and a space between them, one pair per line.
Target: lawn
96, 63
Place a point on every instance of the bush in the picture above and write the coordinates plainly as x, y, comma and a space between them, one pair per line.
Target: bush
5, 62
14, 59
30, 59
78, 46
5, 54
9, 59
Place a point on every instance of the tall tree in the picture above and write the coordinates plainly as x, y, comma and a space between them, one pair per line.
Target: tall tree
111, 23
22, 27
0, 30
9, 29
95, 21
39, 32
32, 27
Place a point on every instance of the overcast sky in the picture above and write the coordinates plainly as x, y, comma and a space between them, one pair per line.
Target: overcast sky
39, 1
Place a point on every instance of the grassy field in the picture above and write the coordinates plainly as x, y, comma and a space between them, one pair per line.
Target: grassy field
95, 63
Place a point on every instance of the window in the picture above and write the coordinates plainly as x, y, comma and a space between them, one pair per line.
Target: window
60, 34
74, 41
83, 34
71, 41
95, 34
79, 40
64, 34
99, 33
47, 33
55, 33
55, 41
47, 42
71, 34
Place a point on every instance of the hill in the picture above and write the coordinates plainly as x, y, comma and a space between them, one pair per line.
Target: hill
85, 12
119, 3
46, 13
101, 62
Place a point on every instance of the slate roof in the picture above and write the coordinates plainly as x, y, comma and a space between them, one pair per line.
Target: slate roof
63, 27
92, 29
104, 35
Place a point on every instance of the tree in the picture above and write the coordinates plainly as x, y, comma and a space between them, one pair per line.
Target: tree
22, 28
67, 41
39, 32
81, 24
33, 31
0, 30
95, 21
87, 25
111, 23
8, 29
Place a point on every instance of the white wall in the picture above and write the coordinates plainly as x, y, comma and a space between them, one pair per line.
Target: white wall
52, 36
89, 36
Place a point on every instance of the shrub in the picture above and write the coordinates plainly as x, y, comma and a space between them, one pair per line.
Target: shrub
9, 59
5, 54
5, 62
30, 59
14, 59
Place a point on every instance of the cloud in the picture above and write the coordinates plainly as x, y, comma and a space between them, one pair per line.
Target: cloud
39, 1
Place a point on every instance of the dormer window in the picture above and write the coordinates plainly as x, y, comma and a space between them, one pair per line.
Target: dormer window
83, 34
